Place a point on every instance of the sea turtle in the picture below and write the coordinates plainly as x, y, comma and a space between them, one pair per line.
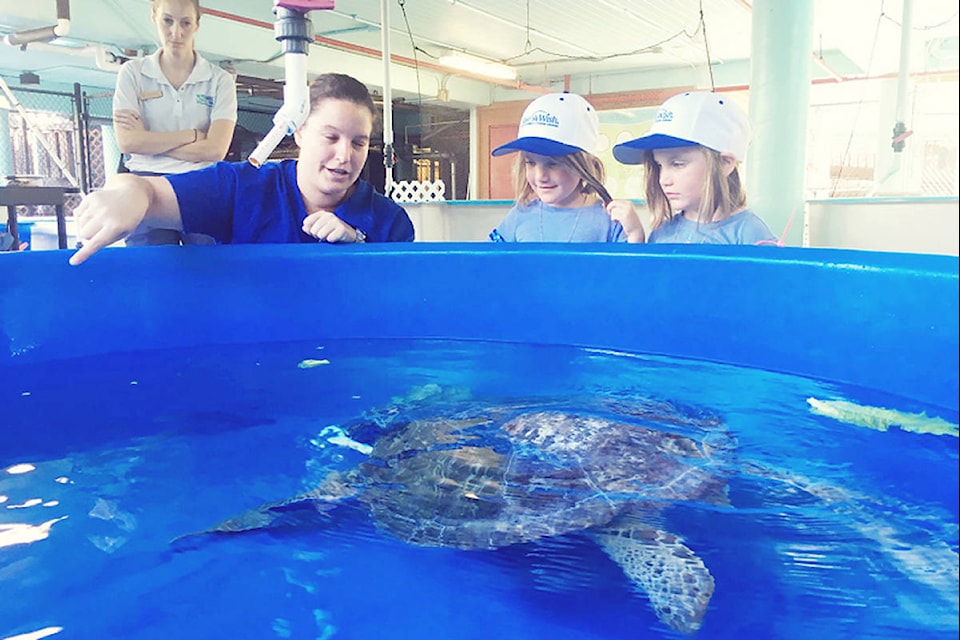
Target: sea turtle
483, 477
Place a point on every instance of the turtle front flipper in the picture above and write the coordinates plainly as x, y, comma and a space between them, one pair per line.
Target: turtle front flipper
675, 580
300, 511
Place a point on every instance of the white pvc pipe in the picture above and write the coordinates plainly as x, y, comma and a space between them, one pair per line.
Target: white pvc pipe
294, 111
900, 108
44, 34
903, 77
387, 98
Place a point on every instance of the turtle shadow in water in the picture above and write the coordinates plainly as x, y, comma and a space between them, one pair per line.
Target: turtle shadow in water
478, 476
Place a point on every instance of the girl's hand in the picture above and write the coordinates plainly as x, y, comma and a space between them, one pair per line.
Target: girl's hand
326, 227
625, 213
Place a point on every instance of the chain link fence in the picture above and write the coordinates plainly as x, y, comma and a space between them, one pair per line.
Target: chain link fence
45, 138
103, 157
68, 140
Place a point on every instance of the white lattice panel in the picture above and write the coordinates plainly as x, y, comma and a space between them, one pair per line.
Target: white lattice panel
406, 191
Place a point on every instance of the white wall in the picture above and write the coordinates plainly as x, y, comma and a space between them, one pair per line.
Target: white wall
456, 221
911, 225
920, 225
468, 221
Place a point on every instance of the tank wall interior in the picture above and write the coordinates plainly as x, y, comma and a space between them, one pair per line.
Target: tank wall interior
885, 321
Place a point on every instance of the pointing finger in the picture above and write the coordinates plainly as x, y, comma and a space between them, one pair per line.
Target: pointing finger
100, 240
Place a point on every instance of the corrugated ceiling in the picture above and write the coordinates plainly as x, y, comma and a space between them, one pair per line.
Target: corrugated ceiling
551, 43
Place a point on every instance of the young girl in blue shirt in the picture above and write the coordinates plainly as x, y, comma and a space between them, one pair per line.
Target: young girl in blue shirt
560, 195
691, 158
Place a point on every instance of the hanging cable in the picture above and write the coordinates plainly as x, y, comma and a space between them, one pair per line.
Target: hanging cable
655, 47
853, 128
528, 45
706, 47
413, 45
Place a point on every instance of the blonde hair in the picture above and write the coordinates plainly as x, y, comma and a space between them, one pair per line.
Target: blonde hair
721, 197
155, 6
586, 165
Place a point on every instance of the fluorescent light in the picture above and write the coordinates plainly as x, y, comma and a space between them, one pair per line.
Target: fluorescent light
68, 43
479, 66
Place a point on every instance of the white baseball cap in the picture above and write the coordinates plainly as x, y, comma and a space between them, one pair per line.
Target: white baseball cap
554, 125
695, 117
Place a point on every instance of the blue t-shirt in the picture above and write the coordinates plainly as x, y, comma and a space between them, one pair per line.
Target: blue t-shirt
538, 222
238, 203
745, 227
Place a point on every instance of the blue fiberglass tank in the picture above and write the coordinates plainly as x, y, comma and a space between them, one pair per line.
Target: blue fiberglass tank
153, 392
880, 320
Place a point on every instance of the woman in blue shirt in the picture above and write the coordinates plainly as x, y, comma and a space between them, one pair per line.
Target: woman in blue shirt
317, 197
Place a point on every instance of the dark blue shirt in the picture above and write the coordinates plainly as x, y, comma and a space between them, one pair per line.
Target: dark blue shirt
238, 203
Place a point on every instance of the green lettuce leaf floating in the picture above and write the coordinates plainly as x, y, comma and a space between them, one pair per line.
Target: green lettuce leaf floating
882, 419
310, 364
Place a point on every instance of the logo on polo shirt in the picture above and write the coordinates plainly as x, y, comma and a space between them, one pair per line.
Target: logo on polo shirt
207, 101
541, 118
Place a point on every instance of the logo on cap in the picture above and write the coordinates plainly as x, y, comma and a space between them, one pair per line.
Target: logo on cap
664, 115
556, 124
541, 118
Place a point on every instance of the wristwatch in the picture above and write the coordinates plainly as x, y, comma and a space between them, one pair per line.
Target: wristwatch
361, 236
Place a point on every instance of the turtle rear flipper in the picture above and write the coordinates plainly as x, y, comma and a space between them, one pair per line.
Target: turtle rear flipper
304, 510
300, 512
675, 580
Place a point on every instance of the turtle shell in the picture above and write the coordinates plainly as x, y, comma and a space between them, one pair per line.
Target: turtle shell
504, 475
